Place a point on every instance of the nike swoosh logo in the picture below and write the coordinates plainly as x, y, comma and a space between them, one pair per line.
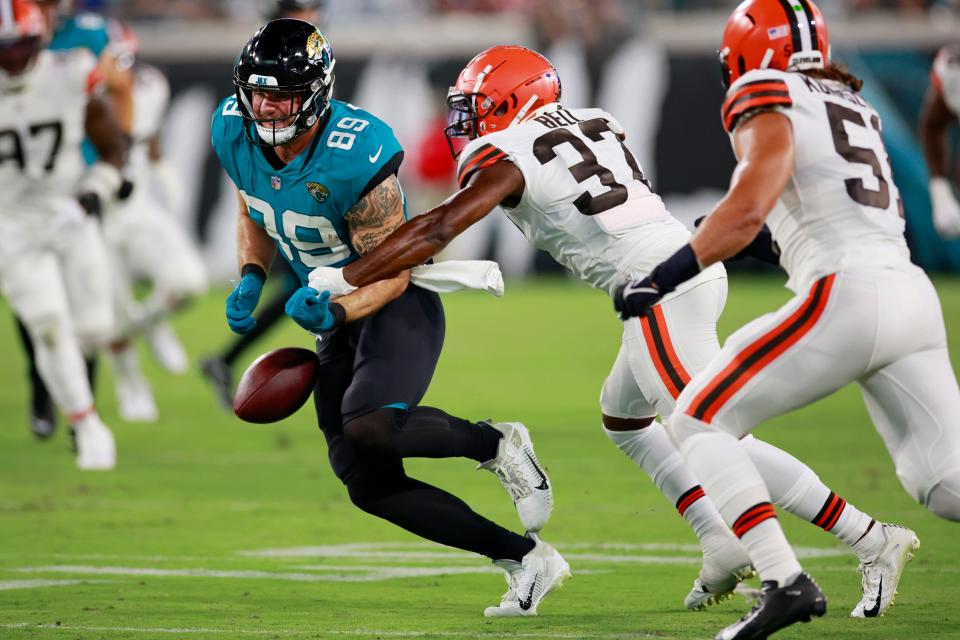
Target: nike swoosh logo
526, 604
543, 486
875, 611
374, 157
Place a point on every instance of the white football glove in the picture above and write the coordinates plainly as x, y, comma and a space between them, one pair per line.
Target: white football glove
946, 209
330, 279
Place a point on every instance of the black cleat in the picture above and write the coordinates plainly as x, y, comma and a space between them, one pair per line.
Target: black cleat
218, 372
779, 607
43, 415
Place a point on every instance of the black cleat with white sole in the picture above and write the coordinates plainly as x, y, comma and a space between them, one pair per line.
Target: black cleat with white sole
779, 607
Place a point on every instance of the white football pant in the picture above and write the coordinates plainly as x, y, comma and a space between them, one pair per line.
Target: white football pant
58, 284
881, 328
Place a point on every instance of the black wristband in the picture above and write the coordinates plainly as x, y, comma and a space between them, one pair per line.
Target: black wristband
678, 268
255, 269
339, 313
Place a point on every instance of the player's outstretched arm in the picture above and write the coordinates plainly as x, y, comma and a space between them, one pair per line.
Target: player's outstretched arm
104, 131
371, 221
765, 152
935, 119
119, 84
423, 237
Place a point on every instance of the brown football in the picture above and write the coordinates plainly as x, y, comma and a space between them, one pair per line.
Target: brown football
276, 385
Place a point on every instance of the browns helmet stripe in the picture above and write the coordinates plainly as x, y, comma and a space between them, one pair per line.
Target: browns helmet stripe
805, 4
793, 20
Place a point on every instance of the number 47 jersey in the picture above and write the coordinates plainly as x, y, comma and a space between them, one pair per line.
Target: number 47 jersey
585, 199
841, 209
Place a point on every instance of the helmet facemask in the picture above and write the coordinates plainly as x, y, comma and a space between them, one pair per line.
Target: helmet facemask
314, 101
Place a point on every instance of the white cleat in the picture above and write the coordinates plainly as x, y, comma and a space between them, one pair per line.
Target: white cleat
879, 577
719, 577
167, 348
134, 396
529, 581
521, 475
96, 450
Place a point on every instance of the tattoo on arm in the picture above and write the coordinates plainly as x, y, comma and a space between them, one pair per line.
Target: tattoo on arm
376, 216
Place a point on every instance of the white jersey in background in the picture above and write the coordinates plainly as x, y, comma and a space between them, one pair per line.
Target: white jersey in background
945, 76
841, 208
585, 199
151, 96
147, 243
41, 130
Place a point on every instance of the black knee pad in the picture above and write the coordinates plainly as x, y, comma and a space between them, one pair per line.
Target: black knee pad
372, 431
371, 480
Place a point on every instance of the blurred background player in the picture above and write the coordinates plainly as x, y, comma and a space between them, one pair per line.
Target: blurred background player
67, 30
506, 102
218, 369
317, 178
813, 163
54, 269
940, 110
146, 241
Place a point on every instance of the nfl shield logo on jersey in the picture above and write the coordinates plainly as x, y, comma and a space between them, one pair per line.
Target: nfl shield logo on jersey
275, 182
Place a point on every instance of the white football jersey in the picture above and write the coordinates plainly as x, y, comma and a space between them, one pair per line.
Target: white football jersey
41, 130
151, 94
840, 209
945, 76
585, 199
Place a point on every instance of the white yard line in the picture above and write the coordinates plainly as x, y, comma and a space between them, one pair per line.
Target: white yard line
329, 632
8, 585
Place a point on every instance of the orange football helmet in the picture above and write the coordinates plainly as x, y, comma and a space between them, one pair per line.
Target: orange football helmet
22, 33
789, 35
502, 86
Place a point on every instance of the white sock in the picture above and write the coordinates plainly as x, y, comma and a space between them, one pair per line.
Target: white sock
653, 452
795, 487
740, 495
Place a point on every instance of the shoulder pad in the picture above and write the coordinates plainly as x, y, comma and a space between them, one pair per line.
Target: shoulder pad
760, 88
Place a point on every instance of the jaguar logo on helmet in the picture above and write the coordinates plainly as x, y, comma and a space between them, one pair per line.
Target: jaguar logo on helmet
318, 191
316, 44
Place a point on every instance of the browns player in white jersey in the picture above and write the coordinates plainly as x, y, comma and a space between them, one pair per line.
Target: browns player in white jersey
811, 164
147, 242
53, 263
940, 110
566, 179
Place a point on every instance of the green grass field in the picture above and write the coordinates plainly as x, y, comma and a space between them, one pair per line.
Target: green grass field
213, 528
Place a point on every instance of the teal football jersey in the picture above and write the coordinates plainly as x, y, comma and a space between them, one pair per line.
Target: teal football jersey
302, 205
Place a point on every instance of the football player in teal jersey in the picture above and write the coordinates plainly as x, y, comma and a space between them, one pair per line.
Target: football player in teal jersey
317, 178
218, 368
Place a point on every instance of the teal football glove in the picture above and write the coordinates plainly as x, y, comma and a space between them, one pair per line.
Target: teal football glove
313, 310
243, 300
